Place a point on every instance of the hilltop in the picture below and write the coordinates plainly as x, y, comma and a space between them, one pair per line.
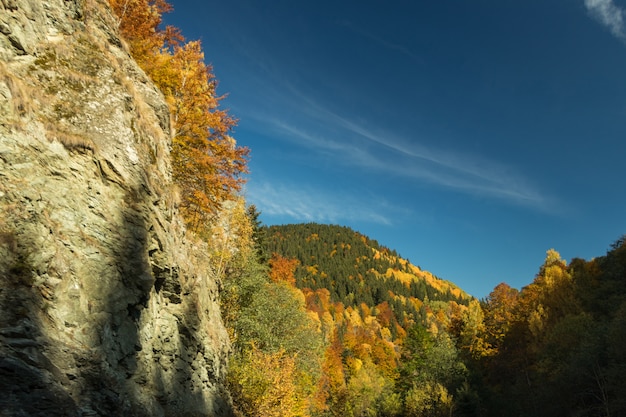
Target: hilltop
355, 268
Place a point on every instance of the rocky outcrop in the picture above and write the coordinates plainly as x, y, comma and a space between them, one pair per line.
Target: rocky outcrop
105, 308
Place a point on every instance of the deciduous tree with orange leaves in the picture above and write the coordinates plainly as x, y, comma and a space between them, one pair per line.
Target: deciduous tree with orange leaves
283, 269
206, 161
139, 23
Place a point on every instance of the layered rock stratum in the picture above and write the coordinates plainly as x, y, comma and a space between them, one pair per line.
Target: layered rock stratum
106, 308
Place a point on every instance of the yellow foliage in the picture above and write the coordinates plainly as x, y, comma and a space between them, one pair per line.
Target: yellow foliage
315, 319
405, 277
473, 333
365, 389
206, 162
265, 385
314, 236
353, 316
230, 234
428, 399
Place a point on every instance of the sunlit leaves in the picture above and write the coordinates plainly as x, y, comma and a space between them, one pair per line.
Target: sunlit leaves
207, 163
559, 340
428, 399
283, 269
499, 313
277, 344
264, 384
139, 21
473, 333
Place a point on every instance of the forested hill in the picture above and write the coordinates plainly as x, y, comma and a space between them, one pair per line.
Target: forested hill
353, 267
401, 342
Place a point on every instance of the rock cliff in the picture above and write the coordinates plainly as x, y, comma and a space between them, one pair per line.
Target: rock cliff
106, 309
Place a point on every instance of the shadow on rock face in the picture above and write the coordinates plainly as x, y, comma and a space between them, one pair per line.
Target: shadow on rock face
130, 356
30, 384
100, 314
49, 368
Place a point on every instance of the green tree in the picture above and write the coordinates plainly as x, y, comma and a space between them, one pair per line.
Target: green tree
269, 328
430, 372
258, 234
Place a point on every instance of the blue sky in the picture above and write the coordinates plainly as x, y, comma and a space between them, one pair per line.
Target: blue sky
471, 137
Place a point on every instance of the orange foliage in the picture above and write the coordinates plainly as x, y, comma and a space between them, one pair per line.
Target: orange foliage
385, 357
283, 269
317, 301
499, 311
338, 312
207, 159
139, 21
332, 388
365, 311
355, 341
385, 314
207, 164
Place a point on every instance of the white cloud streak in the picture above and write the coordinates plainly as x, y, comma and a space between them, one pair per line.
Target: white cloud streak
354, 143
303, 203
289, 114
610, 15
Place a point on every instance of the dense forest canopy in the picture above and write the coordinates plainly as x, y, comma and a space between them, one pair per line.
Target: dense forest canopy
549, 349
326, 322
355, 268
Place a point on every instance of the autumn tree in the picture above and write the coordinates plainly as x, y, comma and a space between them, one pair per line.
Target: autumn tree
431, 371
269, 326
206, 161
559, 340
332, 392
264, 384
365, 390
499, 313
139, 23
472, 337
282, 269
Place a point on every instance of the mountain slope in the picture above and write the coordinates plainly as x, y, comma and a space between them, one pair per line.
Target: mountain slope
356, 269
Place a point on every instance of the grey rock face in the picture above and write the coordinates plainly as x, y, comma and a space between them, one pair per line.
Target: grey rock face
105, 308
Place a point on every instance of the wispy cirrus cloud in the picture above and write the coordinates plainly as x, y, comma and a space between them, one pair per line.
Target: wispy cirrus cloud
610, 15
289, 114
305, 203
375, 149
465, 172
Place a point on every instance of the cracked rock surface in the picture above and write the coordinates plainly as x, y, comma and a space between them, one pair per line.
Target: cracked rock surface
105, 308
